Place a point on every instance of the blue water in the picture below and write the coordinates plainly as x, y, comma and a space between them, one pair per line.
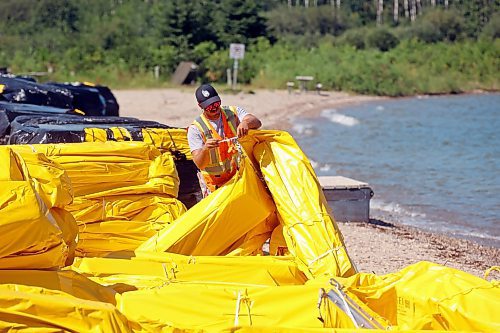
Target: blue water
433, 162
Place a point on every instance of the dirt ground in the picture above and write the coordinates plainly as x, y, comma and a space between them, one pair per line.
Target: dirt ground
379, 246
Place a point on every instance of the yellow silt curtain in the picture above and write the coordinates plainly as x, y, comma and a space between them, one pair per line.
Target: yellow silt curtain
127, 274
310, 232
124, 192
428, 296
231, 211
36, 232
113, 167
37, 309
111, 224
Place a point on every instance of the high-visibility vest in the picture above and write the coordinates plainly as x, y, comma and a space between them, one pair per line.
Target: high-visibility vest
222, 162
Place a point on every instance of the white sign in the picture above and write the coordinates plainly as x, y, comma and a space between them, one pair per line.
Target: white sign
236, 51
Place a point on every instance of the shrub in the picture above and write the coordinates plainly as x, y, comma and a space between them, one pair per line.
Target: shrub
382, 39
354, 37
492, 28
439, 25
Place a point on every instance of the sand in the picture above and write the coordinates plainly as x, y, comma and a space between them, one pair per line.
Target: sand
378, 246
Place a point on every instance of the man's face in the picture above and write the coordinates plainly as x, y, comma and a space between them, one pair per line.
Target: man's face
213, 110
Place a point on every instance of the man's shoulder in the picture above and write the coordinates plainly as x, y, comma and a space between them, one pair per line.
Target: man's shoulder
193, 129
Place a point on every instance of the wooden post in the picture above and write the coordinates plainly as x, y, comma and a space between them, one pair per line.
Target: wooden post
235, 74
157, 72
229, 79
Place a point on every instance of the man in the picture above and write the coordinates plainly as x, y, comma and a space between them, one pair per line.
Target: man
212, 153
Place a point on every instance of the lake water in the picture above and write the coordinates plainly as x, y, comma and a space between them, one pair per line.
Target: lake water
433, 162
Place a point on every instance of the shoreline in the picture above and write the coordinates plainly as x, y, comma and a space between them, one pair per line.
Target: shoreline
379, 246
392, 246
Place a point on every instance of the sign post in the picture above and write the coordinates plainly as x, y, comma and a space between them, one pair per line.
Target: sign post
236, 52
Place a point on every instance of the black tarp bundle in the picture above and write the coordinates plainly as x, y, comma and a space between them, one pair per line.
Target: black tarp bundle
21, 90
92, 100
10, 111
71, 129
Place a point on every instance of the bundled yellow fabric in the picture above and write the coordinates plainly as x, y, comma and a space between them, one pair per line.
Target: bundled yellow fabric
168, 139
159, 209
113, 167
33, 234
427, 296
213, 225
309, 230
121, 222
218, 307
142, 273
67, 281
252, 242
165, 139
125, 192
49, 310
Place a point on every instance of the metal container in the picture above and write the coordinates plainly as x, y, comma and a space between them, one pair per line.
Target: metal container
349, 199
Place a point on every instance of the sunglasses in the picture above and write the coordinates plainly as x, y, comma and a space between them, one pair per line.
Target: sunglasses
212, 107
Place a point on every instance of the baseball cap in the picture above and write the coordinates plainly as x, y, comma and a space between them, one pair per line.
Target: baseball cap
206, 95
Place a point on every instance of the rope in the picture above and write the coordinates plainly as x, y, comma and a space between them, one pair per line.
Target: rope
489, 270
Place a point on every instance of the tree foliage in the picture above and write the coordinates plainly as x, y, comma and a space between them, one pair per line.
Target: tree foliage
114, 39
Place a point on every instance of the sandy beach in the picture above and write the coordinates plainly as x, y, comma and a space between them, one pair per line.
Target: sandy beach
379, 246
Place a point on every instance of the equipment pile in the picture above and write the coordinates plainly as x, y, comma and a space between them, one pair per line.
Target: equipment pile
108, 233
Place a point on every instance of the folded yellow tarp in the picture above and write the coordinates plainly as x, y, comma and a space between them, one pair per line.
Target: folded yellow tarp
113, 167
252, 243
214, 224
29, 307
121, 222
49, 179
67, 281
309, 229
33, 235
427, 296
159, 209
141, 273
213, 308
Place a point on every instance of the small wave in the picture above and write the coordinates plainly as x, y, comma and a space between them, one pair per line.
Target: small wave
380, 108
325, 167
304, 129
342, 119
392, 207
468, 233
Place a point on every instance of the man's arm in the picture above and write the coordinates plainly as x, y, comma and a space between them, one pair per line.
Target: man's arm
201, 157
249, 122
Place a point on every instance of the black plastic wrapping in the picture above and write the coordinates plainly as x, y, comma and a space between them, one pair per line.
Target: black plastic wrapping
71, 129
9, 111
92, 100
21, 90
189, 187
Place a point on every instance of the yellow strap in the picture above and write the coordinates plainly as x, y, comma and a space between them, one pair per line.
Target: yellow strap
121, 134
2, 86
215, 134
95, 135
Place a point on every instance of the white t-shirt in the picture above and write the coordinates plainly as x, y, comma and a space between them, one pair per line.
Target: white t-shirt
195, 138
